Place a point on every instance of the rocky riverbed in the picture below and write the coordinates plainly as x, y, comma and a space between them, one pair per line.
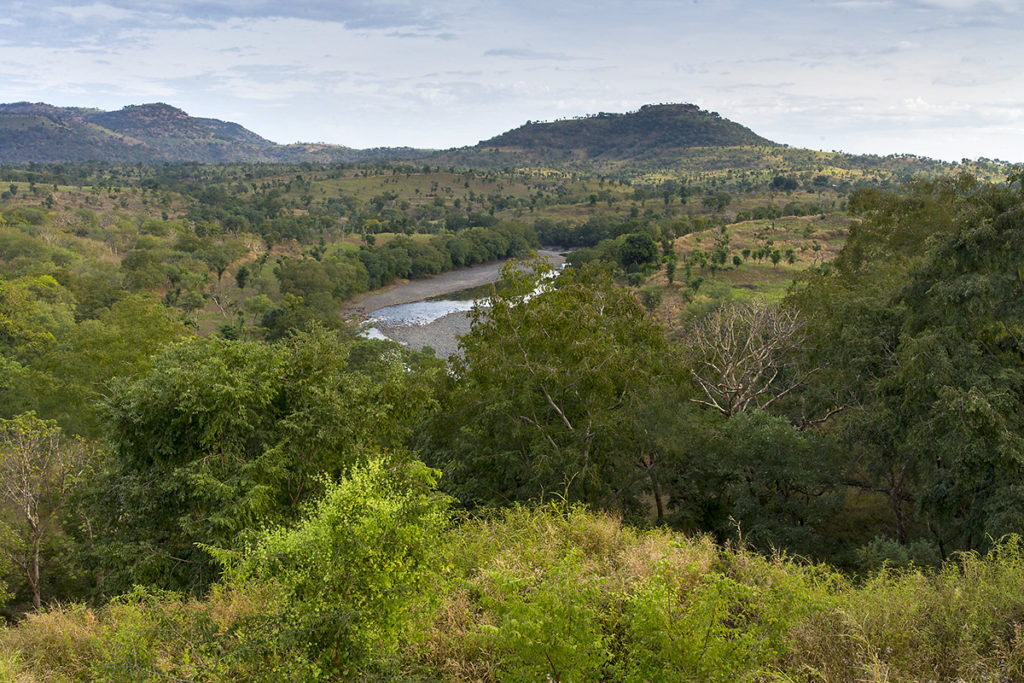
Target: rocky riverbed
441, 334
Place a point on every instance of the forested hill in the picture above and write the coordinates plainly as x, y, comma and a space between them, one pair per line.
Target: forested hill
680, 136
150, 133
655, 133
159, 123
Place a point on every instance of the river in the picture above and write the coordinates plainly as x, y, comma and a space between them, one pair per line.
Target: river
430, 311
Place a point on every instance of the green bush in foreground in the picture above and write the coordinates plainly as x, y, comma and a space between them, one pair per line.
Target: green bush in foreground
565, 594
325, 599
377, 584
341, 582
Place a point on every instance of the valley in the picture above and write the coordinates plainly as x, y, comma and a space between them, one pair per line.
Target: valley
765, 423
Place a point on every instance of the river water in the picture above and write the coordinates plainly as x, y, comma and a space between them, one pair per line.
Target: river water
436, 324
432, 312
419, 312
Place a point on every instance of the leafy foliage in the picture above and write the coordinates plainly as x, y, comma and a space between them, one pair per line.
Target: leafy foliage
343, 580
220, 438
545, 401
926, 293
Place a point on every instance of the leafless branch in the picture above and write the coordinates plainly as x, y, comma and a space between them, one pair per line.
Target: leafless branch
743, 354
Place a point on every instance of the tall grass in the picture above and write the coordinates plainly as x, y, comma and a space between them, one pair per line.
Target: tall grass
563, 594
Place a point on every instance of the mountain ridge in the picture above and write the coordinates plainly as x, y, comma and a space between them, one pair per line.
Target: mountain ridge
159, 120
159, 132
653, 136
151, 133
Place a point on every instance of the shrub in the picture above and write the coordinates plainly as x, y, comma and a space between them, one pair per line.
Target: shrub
963, 622
561, 594
343, 580
650, 297
552, 593
882, 551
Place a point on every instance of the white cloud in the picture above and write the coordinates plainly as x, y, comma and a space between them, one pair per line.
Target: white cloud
94, 12
974, 5
855, 74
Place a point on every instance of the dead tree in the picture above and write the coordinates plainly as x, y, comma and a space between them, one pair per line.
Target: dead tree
743, 356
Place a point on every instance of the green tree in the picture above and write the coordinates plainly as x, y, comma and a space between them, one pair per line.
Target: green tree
221, 437
242, 277
919, 322
343, 581
717, 200
546, 399
219, 257
38, 468
637, 249
34, 311
778, 483
82, 367
783, 183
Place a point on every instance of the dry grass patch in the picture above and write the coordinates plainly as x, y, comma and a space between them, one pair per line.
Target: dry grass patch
56, 644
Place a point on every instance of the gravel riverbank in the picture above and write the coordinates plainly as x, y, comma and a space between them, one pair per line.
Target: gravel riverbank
440, 334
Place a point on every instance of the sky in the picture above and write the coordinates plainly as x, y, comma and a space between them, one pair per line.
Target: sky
936, 78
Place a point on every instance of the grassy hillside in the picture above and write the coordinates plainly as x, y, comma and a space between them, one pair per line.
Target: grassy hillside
799, 243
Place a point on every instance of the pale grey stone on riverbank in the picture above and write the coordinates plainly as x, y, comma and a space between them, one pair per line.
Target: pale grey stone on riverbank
440, 334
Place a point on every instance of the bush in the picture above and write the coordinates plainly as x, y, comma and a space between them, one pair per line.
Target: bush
882, 552
963, 622
369, 586
343, 580
729, 623
562, 594
650, 297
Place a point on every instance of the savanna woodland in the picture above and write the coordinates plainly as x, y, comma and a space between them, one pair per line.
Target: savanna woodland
768, 424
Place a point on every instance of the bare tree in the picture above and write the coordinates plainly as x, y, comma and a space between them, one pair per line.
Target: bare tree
743, 356
37, 469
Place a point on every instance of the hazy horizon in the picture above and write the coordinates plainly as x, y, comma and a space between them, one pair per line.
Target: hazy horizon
936, 78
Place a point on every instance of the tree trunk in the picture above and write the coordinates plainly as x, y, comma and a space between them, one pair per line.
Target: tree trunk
33, 575
896, 500
656, 488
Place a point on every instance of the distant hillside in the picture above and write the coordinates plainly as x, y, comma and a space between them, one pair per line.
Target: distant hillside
682, 137
655, 126
655, 134
161, 124
150, 133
